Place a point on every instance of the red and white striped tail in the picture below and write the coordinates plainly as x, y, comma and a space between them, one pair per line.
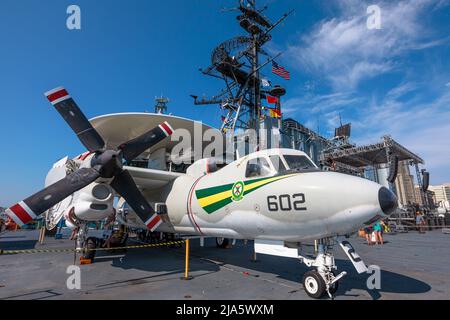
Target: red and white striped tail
21, 213
153, 223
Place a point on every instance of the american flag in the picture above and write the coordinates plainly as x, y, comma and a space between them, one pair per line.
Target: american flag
280, 71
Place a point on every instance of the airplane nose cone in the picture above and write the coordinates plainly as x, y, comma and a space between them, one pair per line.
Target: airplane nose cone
388, 201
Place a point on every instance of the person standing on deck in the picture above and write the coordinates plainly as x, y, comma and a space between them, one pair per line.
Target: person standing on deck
420, 222
378, 229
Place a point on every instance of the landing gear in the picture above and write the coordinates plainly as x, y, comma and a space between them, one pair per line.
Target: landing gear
335, 286
81, 237
89, 249
222, 242
314, 284
322, 280
86, 246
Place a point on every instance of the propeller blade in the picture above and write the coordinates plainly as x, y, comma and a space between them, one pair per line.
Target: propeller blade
124, 185
135, 147
30, 208
75, 118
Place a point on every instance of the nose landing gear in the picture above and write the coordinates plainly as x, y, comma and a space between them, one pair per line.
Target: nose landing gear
324, 279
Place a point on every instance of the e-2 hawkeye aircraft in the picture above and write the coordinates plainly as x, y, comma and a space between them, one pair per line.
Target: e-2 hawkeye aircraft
278, 197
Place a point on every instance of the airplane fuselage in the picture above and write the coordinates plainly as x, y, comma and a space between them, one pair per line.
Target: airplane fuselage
278, 205
292, 207
252, 198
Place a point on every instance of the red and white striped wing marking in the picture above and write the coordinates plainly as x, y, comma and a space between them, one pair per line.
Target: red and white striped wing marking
57, 95
21, 213
153, 223
166, 128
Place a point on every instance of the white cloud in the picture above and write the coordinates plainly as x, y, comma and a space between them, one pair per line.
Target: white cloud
424, 128
347, 52
359, 71
401, 90
342, 53
289, 111
316, 104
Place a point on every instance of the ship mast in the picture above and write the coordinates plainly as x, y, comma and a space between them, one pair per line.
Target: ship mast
238, 62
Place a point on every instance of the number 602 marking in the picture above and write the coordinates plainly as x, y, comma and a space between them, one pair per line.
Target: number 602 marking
286, 202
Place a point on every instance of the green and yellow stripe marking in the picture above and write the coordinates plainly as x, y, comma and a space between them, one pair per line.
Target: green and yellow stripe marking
215, 198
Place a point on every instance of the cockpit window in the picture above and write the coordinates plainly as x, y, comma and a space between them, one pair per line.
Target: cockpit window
278, 164
258, 167
299, 162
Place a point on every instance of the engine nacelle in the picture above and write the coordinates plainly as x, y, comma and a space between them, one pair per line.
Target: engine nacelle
93, 203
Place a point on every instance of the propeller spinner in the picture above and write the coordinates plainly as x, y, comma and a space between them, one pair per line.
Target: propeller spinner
105, 163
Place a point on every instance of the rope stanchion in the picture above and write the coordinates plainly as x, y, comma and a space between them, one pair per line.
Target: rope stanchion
186, 262
42, 235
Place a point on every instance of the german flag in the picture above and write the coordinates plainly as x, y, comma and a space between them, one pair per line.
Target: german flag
275, 113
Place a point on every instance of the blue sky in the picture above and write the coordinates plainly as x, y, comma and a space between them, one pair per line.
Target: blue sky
395, 80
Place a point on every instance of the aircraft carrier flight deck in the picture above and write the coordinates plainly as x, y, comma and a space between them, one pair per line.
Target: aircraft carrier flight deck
413, 266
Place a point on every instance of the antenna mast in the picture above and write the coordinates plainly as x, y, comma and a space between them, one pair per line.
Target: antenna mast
238, 62
161, 105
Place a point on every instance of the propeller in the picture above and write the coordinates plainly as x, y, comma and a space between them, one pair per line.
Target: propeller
105, 163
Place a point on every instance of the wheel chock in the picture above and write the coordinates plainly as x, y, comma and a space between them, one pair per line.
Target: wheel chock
85, 261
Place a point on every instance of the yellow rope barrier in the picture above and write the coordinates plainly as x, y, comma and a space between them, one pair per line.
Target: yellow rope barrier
33, 251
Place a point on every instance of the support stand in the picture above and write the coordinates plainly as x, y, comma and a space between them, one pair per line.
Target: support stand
186, 262
41, 235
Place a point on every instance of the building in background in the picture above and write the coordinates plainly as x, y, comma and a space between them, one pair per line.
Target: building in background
430, 197
374, 161
3, 215
441, 194
381, 175
405, 185
297, 136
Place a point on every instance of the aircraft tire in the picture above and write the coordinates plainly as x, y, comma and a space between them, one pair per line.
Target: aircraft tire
314, 284
222, 242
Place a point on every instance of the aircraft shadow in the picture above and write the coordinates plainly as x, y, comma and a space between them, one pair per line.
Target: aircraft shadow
391, 282
12, 237
209, 259
167, 263
157, 260
292, 270
36, 295
18, 245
